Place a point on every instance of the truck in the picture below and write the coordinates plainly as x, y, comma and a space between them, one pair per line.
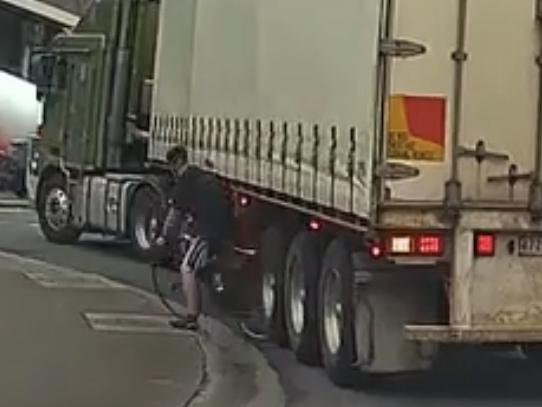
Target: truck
383, 160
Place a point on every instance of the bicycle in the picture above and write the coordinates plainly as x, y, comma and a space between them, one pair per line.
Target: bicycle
172, 282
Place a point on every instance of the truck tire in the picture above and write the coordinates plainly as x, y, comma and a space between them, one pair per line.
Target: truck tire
273, 246
336, 314
144, 219
300, 295
54, 211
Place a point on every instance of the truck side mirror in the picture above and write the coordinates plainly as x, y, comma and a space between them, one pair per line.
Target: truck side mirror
145, 104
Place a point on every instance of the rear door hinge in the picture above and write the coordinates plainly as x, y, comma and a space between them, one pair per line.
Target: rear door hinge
391, 171
400, 48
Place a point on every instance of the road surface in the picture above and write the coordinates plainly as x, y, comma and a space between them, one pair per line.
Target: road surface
473, 380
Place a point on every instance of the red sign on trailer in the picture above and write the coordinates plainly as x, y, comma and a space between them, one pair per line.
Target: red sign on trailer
417, 128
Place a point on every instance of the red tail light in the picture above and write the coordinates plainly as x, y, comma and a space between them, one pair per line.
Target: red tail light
484, 245
430, 245
425, 245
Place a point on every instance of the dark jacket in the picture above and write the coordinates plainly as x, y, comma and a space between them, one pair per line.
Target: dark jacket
200, 194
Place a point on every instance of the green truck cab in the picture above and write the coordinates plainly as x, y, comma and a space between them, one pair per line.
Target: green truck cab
97, 82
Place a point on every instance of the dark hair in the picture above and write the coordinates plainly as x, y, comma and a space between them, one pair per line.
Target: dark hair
177, 153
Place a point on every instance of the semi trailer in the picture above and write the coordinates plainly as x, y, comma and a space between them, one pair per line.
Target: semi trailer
383, 159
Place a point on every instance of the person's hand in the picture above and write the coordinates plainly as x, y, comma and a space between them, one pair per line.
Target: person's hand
159, 252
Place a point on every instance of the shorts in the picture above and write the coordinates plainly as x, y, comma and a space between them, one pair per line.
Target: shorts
197, 256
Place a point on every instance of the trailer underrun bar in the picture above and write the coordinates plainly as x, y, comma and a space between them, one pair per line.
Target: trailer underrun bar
450, 334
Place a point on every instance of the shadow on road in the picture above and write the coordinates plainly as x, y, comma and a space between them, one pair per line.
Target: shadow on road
472, 375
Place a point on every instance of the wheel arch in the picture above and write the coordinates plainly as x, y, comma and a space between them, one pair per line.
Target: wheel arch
48, 172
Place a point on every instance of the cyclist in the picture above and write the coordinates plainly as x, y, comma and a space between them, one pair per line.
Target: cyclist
197, 194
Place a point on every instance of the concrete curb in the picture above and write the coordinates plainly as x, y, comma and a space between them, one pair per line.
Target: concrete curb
218, 343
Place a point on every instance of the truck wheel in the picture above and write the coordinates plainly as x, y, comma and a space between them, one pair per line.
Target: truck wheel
54, 212
336, 314
272, 259
301, 290
144, 222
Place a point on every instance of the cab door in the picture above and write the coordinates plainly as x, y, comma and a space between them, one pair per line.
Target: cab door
75, 114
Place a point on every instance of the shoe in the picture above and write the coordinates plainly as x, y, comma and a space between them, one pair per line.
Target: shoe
188, 323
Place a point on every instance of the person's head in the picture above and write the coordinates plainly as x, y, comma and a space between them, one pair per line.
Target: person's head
177, 159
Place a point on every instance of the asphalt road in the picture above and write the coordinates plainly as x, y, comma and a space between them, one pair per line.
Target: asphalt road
471, 379
53, 355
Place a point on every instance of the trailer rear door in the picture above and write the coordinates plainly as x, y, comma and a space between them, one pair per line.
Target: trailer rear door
493, 108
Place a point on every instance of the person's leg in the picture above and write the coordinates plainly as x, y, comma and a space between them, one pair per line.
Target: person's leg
191, 292
192, 295
194, 259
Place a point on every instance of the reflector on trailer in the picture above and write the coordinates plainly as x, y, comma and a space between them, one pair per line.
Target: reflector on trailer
376, 251
244, 200
315, 225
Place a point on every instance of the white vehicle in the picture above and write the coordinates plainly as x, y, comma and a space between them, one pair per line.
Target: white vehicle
20, 115
384, 158
19, 109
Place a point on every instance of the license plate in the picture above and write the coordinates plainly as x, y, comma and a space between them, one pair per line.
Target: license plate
530, 245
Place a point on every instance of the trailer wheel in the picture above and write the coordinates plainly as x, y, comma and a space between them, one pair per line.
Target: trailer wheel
301, 290
144, 222
54, 211
335, 314
272, 259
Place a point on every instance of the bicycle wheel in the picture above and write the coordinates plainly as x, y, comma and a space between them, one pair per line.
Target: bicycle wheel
167, 286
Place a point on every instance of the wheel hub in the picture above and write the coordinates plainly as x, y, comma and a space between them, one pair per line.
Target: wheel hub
268, 294
57, 209
146, 230
333, 311
297, 298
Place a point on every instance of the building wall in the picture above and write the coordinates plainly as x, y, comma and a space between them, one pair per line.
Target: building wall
11, 42
20, 31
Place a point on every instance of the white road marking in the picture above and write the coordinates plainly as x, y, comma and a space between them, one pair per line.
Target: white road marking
80, 281
8, 209
133, 323
51, 276
14, 202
